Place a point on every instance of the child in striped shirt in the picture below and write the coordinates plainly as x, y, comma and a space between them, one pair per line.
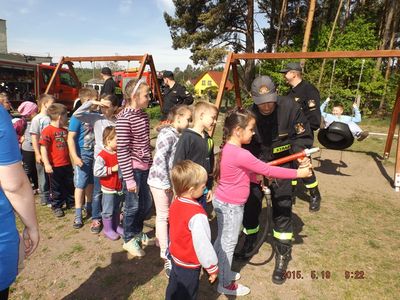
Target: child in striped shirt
134, 158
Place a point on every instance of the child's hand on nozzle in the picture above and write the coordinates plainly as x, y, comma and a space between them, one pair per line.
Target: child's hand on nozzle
355, 105
304, 171
212, 277
115, 168
305, 167
303, 161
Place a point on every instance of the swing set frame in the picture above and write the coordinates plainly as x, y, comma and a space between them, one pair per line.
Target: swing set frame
144, 60
233, 60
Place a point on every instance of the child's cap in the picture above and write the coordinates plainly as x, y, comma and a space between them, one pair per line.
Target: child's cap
168, 74
106, 71
292, 66
27, 108
263, 90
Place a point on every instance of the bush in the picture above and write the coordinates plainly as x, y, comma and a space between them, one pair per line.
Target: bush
154, 112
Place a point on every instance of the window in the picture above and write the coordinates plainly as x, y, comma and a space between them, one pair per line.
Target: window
46, 73
203, 82
67, 79
209, 83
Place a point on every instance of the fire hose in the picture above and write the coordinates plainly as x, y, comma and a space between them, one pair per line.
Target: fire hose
267, 193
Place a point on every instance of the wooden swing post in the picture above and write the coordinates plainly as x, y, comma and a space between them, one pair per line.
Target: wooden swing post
144, 60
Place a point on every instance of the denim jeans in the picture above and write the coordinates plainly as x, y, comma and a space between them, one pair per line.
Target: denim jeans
137, 206
43, 181
229, 219
83, 176
96, 200
354, 128
110, 203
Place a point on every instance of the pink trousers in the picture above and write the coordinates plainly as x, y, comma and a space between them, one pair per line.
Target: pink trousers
162, 201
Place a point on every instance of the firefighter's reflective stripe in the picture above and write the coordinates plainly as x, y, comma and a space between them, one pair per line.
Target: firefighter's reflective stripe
248, 231
118, 91
294, 182
281, 148
312, 185
210, 145
283, 235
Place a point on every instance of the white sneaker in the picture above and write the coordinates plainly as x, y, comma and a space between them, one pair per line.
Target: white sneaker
234, 289
167, 267
237, 276
146, 241
133, 247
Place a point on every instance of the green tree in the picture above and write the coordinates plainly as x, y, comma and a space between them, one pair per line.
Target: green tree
358, 34
211, 28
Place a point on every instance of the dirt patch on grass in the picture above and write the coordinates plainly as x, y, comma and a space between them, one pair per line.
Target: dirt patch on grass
356, 230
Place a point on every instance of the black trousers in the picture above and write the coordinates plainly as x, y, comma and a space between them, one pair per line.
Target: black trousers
281, 193
62, 186
183, 283
29, 163
4, 294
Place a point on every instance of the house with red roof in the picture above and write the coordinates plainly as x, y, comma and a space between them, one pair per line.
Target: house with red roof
209, 80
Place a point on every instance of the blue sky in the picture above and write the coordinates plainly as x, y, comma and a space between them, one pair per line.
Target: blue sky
92, 28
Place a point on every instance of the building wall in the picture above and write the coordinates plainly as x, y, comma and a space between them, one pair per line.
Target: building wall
3, 36
205, 82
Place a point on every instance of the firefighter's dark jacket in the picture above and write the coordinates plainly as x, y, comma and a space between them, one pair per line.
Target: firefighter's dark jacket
284, 132
108, 87
174, 96
309, 99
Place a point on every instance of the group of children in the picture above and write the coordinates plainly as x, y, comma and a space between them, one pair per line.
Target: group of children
113, 164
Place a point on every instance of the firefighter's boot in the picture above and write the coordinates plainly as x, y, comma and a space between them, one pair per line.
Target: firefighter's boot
315, 199
248, 246
283, 251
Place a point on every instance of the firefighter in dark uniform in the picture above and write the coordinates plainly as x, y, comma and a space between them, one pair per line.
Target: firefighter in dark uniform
307, 95
109, 84
281, 130
173, 94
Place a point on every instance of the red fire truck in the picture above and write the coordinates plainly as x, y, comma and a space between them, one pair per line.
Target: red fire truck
123, 77
26, 81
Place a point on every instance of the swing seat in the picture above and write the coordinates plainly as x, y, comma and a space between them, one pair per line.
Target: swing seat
336, 136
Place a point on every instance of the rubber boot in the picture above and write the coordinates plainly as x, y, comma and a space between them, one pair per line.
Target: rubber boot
315, 199
116, 221
248, 246
283, 251
108, 230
